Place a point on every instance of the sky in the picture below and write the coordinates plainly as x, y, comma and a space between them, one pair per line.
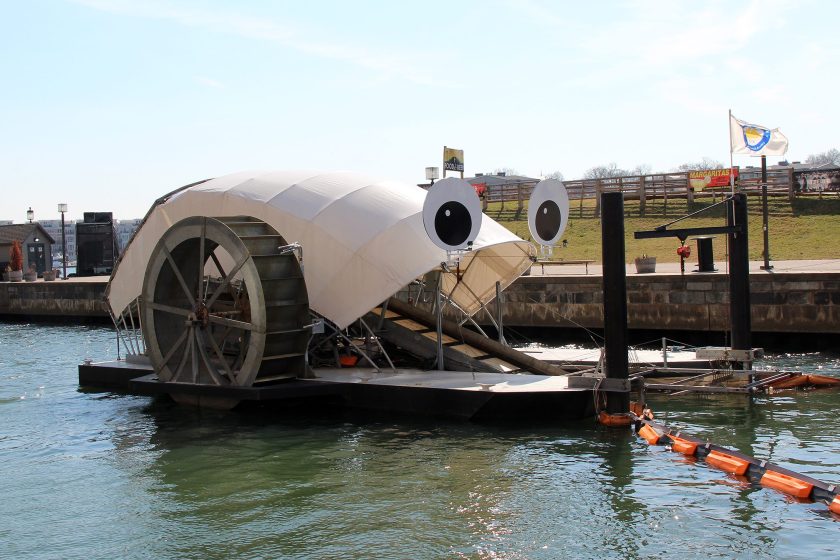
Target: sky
108, 104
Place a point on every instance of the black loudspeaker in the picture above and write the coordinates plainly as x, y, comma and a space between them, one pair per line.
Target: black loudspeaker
452, 214
548, 212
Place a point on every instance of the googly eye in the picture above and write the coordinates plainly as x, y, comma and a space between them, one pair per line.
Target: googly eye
548, 211
452, 214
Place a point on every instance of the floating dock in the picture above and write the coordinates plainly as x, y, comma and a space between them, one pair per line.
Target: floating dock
453, 394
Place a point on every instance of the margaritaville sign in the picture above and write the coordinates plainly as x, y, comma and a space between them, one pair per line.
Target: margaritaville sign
711, 178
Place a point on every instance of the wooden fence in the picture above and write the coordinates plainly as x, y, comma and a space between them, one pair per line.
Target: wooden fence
780, 182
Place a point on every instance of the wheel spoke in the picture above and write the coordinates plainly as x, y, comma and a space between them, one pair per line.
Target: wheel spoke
178, 274
231, 323
218, 264
201, 259
194, 356
178, 344
186, 355
169, 309
211, 369
226, 281
221, 356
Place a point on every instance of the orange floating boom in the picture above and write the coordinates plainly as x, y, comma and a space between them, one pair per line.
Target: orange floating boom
835, 505
787, 484
680, 445
649, 434
727, 462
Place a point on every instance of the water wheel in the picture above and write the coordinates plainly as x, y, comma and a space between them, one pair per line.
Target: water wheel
224, 303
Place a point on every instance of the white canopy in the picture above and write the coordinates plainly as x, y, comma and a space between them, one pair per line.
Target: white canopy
362, 237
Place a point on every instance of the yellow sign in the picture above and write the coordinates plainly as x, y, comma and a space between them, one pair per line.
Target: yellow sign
453, 160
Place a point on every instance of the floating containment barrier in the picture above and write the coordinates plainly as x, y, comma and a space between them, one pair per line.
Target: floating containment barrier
727, 462
766, 474
684, 446
835, 505
787, 484
649, 434
614, 420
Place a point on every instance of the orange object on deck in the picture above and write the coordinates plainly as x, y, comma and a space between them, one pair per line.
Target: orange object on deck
835, 505
787, 484
649, 434
683, 446
621, 420
727, 462
348, 360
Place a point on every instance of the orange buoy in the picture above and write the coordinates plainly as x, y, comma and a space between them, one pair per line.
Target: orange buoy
649, 434
621, 420
727, 462
683, 446
787, 484
835, 505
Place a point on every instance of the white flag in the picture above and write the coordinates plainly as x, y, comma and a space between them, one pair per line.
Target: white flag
755, 140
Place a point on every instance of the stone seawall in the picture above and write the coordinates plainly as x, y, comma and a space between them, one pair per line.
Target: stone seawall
785, 302
789, 302
65, 299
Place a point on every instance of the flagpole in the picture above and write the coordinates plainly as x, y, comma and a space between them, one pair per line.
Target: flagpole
731, 168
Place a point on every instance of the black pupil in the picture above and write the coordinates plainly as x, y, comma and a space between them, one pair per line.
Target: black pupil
548, 220
453, 223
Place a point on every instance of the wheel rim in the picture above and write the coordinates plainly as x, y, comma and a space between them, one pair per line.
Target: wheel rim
204, 303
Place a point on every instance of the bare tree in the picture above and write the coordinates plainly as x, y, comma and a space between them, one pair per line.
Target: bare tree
642, 169
831, 157
506, 170
605, 172
704, 164
555, 175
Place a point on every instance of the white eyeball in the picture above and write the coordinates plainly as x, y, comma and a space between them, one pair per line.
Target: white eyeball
452, 214
548, 211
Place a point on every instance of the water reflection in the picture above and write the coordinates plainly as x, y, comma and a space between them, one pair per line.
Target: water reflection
101, 475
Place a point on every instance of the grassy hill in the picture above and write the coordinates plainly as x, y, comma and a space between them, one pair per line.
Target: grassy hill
808, 228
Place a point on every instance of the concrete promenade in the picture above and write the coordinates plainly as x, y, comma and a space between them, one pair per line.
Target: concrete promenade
595, 269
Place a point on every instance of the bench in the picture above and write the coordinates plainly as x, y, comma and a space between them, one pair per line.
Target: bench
542, 263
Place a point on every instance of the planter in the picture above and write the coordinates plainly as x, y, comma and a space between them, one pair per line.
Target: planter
645, 265
16, 276
49, 275
30, 276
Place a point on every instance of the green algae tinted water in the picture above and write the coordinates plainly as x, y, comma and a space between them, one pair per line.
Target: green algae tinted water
99, 475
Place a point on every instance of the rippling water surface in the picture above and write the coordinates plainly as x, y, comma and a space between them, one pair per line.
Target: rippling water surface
100, 475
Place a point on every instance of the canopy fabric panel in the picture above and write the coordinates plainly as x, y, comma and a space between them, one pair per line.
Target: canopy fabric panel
362, 237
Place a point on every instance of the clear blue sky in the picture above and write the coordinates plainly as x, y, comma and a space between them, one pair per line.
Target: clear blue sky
107, 104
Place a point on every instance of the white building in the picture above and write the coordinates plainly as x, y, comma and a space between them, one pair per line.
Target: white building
125, 229
53, 227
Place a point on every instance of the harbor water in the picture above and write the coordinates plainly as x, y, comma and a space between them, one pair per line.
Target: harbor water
103, 475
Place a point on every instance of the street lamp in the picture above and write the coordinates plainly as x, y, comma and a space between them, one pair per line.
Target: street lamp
432, 173
62, 207
30, 214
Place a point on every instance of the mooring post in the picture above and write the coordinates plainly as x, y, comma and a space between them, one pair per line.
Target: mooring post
765, 215
739, 275
615, 296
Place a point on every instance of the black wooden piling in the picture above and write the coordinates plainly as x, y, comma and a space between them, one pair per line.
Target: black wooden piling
739, 274
615, 296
